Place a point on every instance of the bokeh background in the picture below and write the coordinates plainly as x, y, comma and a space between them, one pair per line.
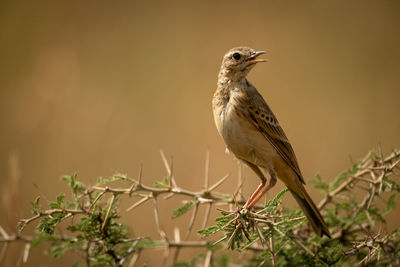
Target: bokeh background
98, 87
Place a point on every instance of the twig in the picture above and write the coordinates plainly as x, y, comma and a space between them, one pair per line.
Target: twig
108, 212
192, 220
156, 216
144, 199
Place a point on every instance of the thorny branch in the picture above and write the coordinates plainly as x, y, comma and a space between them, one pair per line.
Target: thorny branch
376, 168
370, 176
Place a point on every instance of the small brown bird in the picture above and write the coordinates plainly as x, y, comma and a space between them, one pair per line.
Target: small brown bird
253, 134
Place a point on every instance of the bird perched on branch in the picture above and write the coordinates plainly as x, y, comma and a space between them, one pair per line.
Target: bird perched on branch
253, 134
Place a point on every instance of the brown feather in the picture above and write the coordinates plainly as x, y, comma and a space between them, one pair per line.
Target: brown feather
265, 121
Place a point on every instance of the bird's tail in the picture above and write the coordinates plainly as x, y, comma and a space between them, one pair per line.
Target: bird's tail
312, 213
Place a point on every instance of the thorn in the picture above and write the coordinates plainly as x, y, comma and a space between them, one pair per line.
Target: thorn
156, 215
230, 240
219, 182
194, 214
41, 193
226, 211
4, 233
137, 203
260, 235
134, 258
108, 212
228, 223
169, 195
207, 261
165, 161
171, 167
168, 167
173, 182
140, 174
132, 188
177, 235
26, 252
219, 240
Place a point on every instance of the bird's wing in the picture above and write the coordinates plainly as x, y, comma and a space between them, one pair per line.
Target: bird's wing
265, 121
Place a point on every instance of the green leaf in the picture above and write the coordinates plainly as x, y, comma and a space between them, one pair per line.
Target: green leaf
341, 177
221, 222
377, 216
148, 243
70, 205
36, 206
54, 205
59, 248
344, 206
278, 197
59, 202
395, 186
60, 199
390, 204
184, 208
49, 223
117, 177
162, 184
75, 185
274, 203
209, 230
39, 238
213, 247
319, 183
223, 260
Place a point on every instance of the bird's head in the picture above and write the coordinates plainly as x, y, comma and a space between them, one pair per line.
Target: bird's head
238, 61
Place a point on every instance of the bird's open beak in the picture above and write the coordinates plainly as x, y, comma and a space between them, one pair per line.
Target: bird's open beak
253, 58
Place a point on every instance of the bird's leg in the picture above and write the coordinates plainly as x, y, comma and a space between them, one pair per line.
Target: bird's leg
272, 182
263, 182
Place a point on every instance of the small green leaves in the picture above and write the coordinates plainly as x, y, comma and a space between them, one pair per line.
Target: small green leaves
36, 206
58, 249
339, 179
391, 203
117, 177
184, 208
59, 202
75, 185
40, 238
352, 208
320, 184
391, 184
209, 230
49, 223
147, 242
162, 184
277, 199
222, 222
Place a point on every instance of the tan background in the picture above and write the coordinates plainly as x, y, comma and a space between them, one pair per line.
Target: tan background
100, 87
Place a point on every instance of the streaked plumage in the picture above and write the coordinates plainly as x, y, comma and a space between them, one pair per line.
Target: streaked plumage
253, 134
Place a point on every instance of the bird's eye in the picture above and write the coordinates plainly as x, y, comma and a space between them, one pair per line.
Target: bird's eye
236, 56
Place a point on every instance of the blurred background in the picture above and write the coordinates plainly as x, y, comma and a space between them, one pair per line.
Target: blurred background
97, 88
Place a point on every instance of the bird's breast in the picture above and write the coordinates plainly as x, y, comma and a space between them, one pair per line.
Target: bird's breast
240, 135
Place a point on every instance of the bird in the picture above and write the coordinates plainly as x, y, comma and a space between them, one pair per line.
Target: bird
253, 134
